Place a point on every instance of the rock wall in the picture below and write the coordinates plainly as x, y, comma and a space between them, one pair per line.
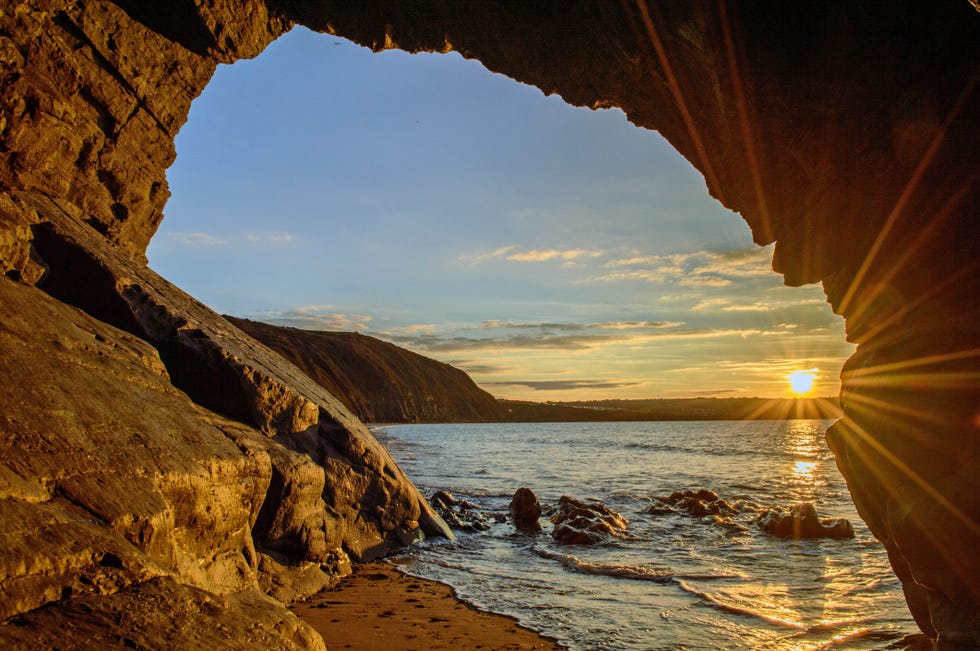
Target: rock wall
846, 133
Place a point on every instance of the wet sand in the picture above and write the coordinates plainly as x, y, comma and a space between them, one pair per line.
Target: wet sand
378, 607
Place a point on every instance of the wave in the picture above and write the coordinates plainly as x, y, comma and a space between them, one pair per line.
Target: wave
662, 575
635, 572
739, 610
863, 634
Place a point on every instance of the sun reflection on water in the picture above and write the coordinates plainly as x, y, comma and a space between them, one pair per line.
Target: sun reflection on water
804, 470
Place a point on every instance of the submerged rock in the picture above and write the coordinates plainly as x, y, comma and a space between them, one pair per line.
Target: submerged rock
461, 515
699, 503
580, 523
525, 510
802, 522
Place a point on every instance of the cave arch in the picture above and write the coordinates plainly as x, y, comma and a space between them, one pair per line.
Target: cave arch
412, 171
846, 136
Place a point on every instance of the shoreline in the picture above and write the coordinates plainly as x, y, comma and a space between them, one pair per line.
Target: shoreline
378, 606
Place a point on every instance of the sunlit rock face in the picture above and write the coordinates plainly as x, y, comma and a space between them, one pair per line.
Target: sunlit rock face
845, 133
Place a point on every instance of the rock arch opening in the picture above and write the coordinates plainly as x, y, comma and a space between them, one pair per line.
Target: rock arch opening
423, 200
847, 136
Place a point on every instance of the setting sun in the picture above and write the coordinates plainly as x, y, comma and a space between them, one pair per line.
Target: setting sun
801, 382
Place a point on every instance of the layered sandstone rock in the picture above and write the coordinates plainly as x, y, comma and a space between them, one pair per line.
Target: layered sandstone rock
846, 134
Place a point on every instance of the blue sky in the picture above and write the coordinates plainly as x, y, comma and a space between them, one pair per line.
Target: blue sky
554, 253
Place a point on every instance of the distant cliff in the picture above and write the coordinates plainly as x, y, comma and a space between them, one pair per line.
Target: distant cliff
378, 381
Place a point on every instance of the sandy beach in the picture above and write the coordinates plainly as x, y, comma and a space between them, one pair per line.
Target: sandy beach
379, 607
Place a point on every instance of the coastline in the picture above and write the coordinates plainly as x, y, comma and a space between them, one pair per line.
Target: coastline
380, 607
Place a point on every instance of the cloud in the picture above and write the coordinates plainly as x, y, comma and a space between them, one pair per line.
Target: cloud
544, 341
472, 367
771, 305
711, 303
514, 253
691, 269
195, 239
410, 330
579, 341
631, 325
482, 257
739, 263
543, 255
703, 281
576, 327
646, 275
206, 239
314, 317
634, 261
269, 238
712, 393
513, 325
563, 385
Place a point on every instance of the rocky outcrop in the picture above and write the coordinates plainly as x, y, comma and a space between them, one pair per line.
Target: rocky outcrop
378, 381
697, 504
118, 493
846, 134
112, 477
586, 523
801, 522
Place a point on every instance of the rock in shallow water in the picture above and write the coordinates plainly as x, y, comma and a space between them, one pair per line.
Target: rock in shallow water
525, 510
802, 522
697, 504
460, 515
581, 523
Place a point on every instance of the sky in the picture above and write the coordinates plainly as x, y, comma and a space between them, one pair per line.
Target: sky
554, 253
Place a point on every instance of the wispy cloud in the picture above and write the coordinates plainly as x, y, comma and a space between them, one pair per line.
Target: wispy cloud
195, 239
692, 269
483, 257
543, 255
741, 263
315, 317
477, 367
206, 239
712, 393
515, 253
563, 385
559, 340
513, 325
575, 327
269, 238
630, 325
703, 281
770, 305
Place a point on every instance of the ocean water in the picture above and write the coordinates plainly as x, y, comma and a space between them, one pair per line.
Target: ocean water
675, 581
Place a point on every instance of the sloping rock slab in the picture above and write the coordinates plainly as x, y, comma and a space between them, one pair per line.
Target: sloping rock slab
162, 614
93, 421
126, 511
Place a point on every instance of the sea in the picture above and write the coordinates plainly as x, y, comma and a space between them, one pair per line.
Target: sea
673, 581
